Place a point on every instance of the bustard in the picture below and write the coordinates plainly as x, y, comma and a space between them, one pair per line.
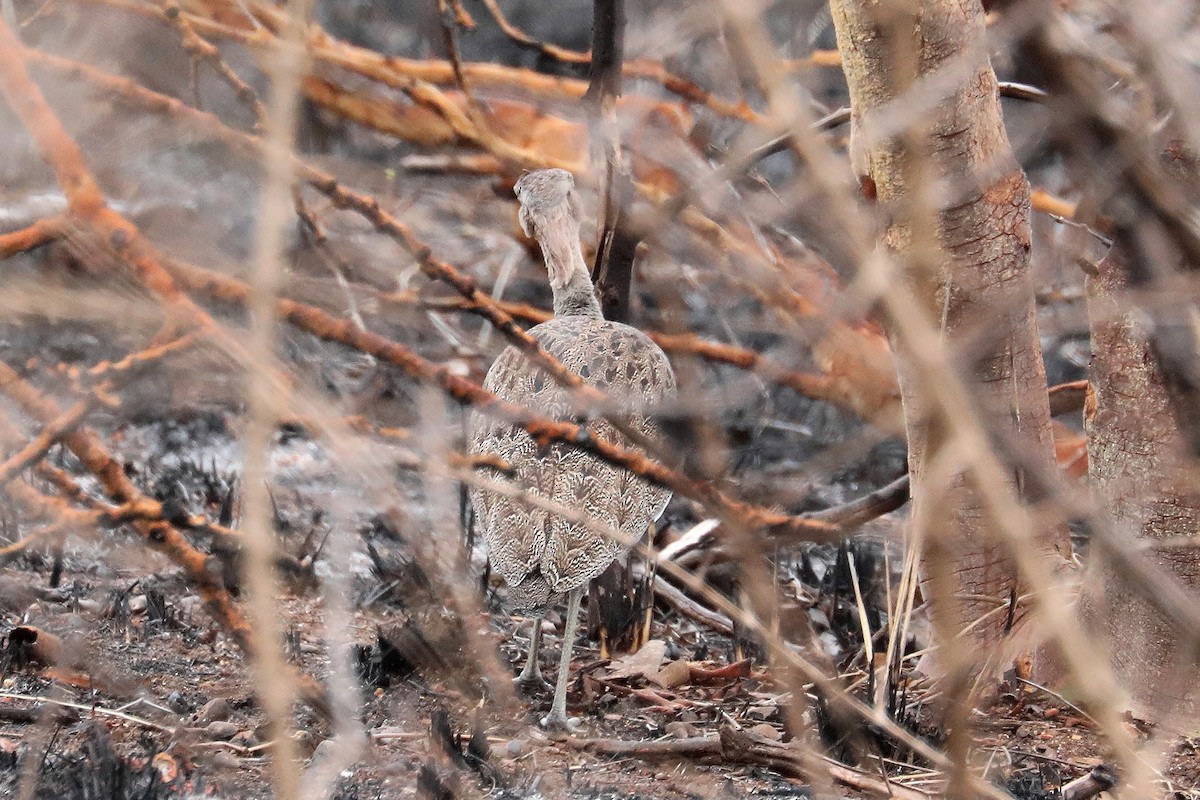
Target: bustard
539, 554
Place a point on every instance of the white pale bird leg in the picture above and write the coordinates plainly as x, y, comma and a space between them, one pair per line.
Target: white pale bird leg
531, 676
557, 718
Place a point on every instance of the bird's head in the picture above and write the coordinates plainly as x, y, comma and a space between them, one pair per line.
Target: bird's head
547, 195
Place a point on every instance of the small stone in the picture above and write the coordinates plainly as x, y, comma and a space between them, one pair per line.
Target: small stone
513, 748
220, 730
223, 760
176, 703
215, 710
323, 750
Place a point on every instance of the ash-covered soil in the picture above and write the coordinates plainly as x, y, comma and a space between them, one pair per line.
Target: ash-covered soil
148, 699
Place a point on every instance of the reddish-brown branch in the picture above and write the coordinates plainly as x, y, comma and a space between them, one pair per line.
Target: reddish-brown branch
50, 435
479, 302
39, 233
86, 204
544, 430
159, 535
203, 50
120, 369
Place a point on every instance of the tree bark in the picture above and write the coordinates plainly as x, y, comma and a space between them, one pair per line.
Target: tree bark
1146, 484
956, 210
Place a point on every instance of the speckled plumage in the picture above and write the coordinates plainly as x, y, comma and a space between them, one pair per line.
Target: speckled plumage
542, 556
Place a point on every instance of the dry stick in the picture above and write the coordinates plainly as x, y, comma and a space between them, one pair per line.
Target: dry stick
103, 517
330, 327
274, 209
806, 384
675, 597
544, 430
39, 233
373, 66
1016, 91
86, 204
35, 504
51, 434
640, 68
1100, 779
952, 404
203, 50
110, 371
750, 622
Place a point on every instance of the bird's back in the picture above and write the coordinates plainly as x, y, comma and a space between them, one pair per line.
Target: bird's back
540, 554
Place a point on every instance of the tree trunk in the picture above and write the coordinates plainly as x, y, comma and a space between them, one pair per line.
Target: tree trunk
1143, 425
1145, 483
956, 205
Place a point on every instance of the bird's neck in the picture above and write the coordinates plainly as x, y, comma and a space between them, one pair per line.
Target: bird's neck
569, 278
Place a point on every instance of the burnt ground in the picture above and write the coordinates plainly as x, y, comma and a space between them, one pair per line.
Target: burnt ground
148, 699
157, 703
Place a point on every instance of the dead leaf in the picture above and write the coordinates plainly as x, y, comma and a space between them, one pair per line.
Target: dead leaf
646, 662
674, 674
728, 672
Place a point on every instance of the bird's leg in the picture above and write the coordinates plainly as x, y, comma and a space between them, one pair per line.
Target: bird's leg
530, 678
557, 719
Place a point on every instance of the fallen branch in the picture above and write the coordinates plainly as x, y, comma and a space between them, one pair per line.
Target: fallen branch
734, 745
1100, 779
675, 598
